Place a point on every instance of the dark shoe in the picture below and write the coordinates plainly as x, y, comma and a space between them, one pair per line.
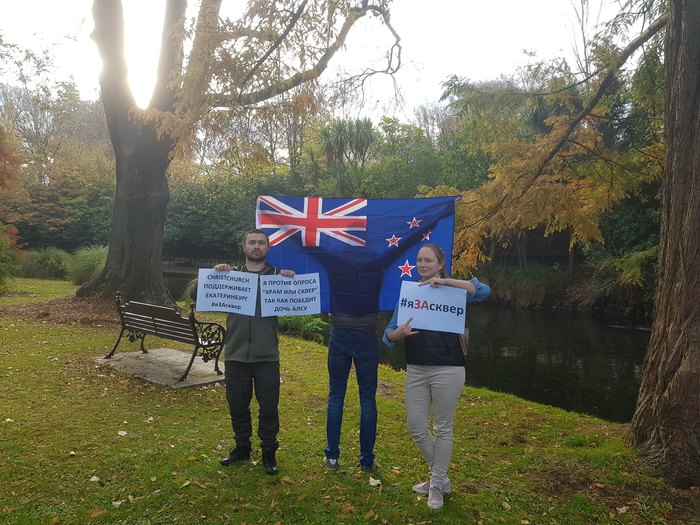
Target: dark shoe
368, 468
236, 455
269, 462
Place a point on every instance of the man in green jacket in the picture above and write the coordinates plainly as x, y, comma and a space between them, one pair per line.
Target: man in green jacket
252, 361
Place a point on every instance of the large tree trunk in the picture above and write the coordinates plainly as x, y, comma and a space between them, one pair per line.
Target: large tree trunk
666, 424
142, 158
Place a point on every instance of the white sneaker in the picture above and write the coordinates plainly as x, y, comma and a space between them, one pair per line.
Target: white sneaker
435, 499
424, 488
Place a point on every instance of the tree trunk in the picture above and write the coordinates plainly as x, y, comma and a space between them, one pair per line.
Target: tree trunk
134, 261
666, 424
133, 264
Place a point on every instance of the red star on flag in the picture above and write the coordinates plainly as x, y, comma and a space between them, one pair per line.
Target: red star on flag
406, 269
426, 235
393, 240
413, 224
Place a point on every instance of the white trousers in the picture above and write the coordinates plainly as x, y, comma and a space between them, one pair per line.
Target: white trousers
439, 387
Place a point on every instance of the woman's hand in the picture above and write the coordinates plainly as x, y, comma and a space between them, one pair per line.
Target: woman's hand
401, 332
433, 281
448, 281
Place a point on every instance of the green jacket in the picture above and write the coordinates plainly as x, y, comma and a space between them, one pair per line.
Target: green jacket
252, 339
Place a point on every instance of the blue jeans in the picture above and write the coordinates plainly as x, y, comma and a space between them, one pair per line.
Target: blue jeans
348, 345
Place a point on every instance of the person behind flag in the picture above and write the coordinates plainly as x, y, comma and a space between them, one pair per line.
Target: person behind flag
435, 376
252, 361
353, 339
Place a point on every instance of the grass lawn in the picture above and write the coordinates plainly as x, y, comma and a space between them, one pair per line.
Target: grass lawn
83, 444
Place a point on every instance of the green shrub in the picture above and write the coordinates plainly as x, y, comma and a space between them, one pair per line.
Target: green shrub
632, 267
8, 259
528, 286
46, 263
86, 264
309, 327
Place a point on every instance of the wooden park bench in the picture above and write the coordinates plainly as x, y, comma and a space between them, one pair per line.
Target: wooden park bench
141, 319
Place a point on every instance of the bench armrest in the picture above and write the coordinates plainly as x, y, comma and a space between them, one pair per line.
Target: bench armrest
210, 334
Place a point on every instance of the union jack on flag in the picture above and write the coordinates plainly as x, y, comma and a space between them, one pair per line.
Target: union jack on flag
312, 221
361, 248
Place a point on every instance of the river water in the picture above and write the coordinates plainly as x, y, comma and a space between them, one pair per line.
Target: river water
571, 361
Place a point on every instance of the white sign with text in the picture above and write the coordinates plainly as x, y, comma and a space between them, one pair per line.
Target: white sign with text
298, 295
227, 291
442, 309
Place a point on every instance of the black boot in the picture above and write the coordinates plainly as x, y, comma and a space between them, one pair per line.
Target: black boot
237, 454
269, 462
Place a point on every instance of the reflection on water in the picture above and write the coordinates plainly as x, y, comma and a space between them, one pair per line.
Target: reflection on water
573, 362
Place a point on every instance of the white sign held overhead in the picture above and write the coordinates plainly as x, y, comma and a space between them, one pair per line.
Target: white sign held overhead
299, 295
441, 309
230, 291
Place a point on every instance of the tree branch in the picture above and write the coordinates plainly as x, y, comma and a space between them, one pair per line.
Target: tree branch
612, 70
171, 55
354, 14
276, 44
109, 37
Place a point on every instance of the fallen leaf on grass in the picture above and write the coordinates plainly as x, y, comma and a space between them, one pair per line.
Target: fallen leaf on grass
94, 479
117, 504
374, 482
369, 515
94, 513
191, 458
185, 484
122, 433
348, 508
287, 480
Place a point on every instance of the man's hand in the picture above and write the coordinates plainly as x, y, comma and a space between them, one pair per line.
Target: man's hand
287, 273
223, 267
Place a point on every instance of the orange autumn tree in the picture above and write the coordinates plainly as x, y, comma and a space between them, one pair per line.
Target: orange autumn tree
552, 164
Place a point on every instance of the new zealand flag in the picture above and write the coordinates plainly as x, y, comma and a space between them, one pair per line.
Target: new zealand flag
362, 248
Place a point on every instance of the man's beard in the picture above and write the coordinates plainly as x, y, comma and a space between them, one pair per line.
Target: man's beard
257, 256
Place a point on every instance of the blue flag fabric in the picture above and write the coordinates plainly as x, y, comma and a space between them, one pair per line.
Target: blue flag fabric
361, 248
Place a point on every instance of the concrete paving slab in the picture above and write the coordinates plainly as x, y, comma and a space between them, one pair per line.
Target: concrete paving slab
164, 366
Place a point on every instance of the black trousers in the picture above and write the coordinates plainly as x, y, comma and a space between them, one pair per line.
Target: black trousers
241, 379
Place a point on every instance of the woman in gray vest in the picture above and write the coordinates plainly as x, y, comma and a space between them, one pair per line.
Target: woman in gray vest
435, 376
